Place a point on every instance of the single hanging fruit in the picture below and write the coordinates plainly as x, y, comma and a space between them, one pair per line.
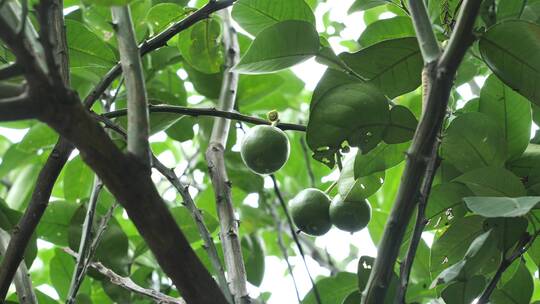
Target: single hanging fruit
265, 149
349, 216
310, 211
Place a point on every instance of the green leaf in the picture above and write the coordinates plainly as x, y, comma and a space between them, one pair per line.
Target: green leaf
256, 15
161, 15
445, 204
464, 292
53, 226
95, 56
452, 245
492, 181
507, 230
61, 270
511, 111
78, 180
110, 2
200, 45
40, 136
189, 227
401, 126
333, 289
354, 189
394, 66
386, 29
383, 157
468, 150
280, 46
362, 5
357, 113
501, 206
518, 290
254, 259
512, 51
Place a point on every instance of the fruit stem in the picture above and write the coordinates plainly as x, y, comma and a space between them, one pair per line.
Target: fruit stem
334, 183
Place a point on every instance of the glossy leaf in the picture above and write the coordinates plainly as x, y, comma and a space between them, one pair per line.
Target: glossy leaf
501, 206
354, 189
357, 113
394, 66
492, 181
200, 46
468, 150
333, 289
280, 46
386, 29
512, 50
256, 15
510, 110
384, 156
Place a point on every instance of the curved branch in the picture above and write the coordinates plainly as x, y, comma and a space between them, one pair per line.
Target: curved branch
209, 112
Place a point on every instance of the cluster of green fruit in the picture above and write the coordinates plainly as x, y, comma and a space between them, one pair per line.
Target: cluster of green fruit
265, 149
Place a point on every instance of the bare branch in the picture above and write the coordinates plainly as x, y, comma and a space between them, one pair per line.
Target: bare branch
209, 112
23, 284
85, 242
420, 224
10, 71
424, 31
232, 249
128, 284
138, 120
18, 108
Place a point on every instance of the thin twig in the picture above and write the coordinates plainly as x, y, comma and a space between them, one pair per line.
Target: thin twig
23, 284
10, 71
295, 237
209, 112
128, 284
84, 245
420, 224
197, 215
424, 31
523, 245
307, 159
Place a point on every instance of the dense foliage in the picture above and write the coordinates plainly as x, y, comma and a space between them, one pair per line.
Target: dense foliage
481, 217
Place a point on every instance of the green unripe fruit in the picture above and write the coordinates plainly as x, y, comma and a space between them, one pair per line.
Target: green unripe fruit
265, 149
310, 211
349, 216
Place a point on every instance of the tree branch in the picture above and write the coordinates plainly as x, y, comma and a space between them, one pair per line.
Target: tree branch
522, 247
128, 284
209, 245
137, 118
441, 74
215, 159
61, 151
85, 242
18, 107
420, 224
10, 71
23, 284
156, 42
429, 46
209, 112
